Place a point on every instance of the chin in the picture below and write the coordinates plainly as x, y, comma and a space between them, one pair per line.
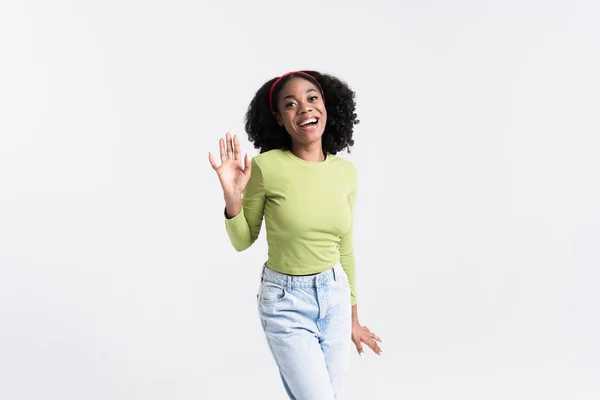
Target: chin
313, 137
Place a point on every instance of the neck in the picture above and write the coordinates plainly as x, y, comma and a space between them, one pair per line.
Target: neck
312, 152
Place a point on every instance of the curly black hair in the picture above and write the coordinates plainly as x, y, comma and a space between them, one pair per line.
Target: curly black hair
266, 134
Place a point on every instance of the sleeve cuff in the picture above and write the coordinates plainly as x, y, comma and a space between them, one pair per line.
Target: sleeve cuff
235, 222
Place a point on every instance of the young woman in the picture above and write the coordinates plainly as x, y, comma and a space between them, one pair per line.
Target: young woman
306, 194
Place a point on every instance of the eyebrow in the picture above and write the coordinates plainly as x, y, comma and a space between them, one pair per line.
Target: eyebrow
291, 95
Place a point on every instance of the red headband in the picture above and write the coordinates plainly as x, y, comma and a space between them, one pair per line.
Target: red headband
313, 79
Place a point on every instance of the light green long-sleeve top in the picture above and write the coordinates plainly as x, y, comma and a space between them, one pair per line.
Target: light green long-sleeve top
308, 209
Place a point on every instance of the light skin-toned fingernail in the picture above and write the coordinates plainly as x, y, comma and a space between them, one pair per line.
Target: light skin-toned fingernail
362, 354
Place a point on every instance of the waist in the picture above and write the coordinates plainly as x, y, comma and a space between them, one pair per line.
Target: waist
312, 280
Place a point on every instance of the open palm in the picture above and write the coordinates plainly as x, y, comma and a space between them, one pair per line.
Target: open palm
233, 172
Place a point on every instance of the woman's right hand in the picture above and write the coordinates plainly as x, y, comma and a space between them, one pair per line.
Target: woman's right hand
233, 172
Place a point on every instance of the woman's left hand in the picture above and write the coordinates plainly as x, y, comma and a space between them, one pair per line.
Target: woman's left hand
362, 334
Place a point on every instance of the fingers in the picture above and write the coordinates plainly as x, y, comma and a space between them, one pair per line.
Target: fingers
212, 161
372, 335
359, 348
248, 165
230, 149
222, 150
374, 346
236, 149
229, 146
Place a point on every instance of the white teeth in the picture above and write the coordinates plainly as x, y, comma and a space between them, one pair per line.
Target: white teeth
308, 121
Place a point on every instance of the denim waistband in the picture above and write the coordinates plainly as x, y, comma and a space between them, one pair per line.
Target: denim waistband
291, 281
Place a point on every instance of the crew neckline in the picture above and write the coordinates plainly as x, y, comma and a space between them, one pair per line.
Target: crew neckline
327, 160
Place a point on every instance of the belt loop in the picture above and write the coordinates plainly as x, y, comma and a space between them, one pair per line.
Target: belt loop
334, 274
288, 282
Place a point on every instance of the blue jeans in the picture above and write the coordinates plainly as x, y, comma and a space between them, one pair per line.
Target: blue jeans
307, 324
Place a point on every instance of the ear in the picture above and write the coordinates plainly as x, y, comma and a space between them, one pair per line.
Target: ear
279, 120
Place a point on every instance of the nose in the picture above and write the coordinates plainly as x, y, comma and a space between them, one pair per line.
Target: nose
305, 107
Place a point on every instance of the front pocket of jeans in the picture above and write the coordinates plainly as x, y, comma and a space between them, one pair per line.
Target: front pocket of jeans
342, 276
271, 292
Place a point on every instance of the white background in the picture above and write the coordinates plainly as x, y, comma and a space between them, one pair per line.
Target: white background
477, 223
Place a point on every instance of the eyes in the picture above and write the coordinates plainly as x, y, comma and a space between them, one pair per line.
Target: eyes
292, 103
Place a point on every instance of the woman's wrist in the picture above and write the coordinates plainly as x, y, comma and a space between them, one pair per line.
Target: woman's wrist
233, 205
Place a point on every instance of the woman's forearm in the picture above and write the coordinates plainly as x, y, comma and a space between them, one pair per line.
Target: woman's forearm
355, 315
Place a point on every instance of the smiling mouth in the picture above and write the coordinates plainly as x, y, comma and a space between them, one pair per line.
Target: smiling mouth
309, 122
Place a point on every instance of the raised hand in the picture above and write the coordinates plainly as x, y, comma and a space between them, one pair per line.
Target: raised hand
233, 172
